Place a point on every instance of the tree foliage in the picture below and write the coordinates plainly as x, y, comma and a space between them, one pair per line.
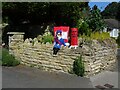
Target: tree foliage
73, 14
118, 12
23, 16
39, 12
95, 20
112, 10
82, 23
91, 21
18, 12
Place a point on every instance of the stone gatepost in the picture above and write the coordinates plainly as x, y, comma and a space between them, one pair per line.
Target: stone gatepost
15, 39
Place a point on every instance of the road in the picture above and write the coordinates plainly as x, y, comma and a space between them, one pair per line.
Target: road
118, 60
28, 77
108, 77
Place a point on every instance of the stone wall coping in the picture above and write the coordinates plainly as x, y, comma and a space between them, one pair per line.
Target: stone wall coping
15, 33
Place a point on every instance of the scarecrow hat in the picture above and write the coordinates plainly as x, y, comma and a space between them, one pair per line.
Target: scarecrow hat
59, 31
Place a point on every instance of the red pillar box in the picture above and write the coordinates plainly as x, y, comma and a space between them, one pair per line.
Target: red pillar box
65, 32
74, 37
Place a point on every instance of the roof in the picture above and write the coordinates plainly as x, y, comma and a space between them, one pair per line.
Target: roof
112, 23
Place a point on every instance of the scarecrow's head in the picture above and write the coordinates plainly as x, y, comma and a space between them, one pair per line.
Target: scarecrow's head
59, 33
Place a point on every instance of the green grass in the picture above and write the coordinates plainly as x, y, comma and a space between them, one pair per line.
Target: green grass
100, 36
97, 36
8, 59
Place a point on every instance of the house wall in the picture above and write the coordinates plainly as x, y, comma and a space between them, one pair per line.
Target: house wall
114, 33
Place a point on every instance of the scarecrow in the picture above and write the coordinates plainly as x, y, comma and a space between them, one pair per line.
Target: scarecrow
58, 42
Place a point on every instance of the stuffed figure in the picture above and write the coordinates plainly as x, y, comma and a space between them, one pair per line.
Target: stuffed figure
58, 42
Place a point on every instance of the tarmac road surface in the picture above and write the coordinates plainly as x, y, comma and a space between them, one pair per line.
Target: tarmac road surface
27, 77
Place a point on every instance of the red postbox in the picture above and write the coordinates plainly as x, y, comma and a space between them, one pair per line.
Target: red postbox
74, 37
65, 32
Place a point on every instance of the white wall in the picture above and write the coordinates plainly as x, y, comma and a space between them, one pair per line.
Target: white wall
114, 33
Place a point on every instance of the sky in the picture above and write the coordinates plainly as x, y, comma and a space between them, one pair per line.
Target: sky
101, 5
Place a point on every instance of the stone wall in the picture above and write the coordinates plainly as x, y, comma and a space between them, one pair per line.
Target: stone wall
15, 40
97, 56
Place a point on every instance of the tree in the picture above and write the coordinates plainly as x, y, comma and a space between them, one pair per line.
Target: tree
95, 21
42, 12
83, 27
118, 12
111, 10
21, 15
18, 12
67, 13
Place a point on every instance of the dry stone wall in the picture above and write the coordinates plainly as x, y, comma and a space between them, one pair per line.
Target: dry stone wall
97, 56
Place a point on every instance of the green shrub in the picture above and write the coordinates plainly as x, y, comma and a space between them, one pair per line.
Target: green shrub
78, 67
96, 36
0, 56
48, 38
0, 62
118, 40
39, 38
101, 36
105, 35
8, 59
